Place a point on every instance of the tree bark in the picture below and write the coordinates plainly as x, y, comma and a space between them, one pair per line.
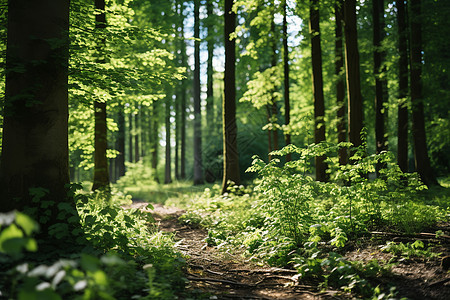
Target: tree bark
35, 124
101, 174
198, 166
130, 137
137, 129
230, 150
319, 101
183, 110
402, 142
154, 140
378, 55
340, 84
287, 106
355, 104
168, 166
422, 161
120, 144
210, 71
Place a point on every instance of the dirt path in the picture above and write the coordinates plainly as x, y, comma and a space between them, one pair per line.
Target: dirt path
230, 276
227, 276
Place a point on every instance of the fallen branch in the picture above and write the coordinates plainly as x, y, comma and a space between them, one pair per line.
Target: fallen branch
271, 270
276, 277
417, 235
445, 280
219, 280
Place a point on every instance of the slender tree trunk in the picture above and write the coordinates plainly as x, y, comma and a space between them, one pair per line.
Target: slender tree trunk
355, 104
154, 140
136, 137
101, 174
210, 71
120, 145
421, 158
198, 166
168, 167
287, 106
177, 132
230, 151
130, 137
210, 126
340, 84
183, 111
35, 115
378, 54
274, 114
402, 143
269, 131
319, 100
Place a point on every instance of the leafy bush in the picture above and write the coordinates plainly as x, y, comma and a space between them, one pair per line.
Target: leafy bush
121, 257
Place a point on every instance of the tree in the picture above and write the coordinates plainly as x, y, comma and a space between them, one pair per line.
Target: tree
340, 85
287, 106
120, 144
402, 143
198, 168
273, 109
319, 100
355, 104
137, 130
230, 151
378, 55
101, 174
35, 124
168, 162
422, 161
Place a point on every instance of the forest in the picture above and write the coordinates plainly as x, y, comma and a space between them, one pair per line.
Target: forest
224, 149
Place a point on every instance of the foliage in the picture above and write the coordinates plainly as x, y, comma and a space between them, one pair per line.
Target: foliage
122, 257
415, 249
290, 219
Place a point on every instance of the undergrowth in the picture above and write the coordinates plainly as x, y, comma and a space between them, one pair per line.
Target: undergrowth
105, 252
289, 219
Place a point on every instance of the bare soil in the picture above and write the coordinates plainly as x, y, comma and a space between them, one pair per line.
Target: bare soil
221, 275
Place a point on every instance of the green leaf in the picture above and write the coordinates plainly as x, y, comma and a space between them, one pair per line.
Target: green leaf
11, 240
28, 224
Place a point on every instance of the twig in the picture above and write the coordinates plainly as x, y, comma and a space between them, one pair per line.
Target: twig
212, 272
445, 280
219, 280
277, 277
271, 270
417, 235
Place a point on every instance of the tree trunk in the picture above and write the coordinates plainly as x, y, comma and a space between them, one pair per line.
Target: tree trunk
137, 129
274, 114
101, 174
120, 145
35, 124
154, 140
230, 151
402, 142
319, 101
183, 111
198, 172
287, 107
168, 167
210, 71
130, 137
422, 161
177, 132
355, 104
340, 85
378, 55
210, 126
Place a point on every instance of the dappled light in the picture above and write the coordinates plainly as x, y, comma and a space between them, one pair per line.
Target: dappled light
232, 149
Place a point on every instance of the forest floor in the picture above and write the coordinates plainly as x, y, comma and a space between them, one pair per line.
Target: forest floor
224, 275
